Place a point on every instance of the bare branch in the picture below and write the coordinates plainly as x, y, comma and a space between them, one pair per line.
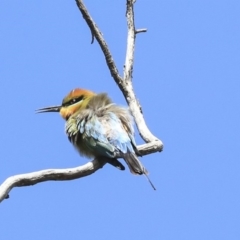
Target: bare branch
32, 178
29, 179
125, 83
128, 69
98, 35
152, 145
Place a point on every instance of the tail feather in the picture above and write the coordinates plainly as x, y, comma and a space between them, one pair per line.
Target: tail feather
136, 166
150, 182
114, 162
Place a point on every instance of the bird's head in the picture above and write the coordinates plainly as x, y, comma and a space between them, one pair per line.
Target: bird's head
75, 101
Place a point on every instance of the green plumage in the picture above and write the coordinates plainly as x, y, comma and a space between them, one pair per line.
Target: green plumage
99, 129
104, 129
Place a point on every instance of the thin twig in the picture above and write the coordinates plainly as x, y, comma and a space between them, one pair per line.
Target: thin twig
142, 30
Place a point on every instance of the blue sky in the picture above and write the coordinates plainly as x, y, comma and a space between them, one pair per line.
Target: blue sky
187, 78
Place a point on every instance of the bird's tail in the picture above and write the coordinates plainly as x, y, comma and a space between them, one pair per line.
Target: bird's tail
136, 166
114, 162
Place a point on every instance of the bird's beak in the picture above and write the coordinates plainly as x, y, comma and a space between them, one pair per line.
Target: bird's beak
49, 109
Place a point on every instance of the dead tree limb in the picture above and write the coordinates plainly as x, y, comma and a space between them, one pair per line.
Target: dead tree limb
153, 144
29, 179
125, 82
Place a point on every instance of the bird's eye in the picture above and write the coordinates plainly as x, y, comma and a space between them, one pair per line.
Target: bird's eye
72, 101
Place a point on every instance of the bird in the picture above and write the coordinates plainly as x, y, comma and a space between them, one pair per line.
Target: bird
100, 129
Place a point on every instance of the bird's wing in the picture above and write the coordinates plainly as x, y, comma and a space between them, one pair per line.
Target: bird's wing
104, 134
73, 129
122, 139
117, 134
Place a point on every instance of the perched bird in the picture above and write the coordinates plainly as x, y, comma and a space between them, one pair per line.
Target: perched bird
99, 129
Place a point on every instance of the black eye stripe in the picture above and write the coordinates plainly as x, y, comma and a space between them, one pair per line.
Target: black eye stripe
72, 101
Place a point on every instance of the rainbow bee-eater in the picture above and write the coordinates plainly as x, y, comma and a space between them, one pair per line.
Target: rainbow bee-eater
99, 128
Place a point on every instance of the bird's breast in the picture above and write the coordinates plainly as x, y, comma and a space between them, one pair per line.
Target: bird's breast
77, 137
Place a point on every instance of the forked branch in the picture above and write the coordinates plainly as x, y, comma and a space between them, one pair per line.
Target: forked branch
153, 144
125, 82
